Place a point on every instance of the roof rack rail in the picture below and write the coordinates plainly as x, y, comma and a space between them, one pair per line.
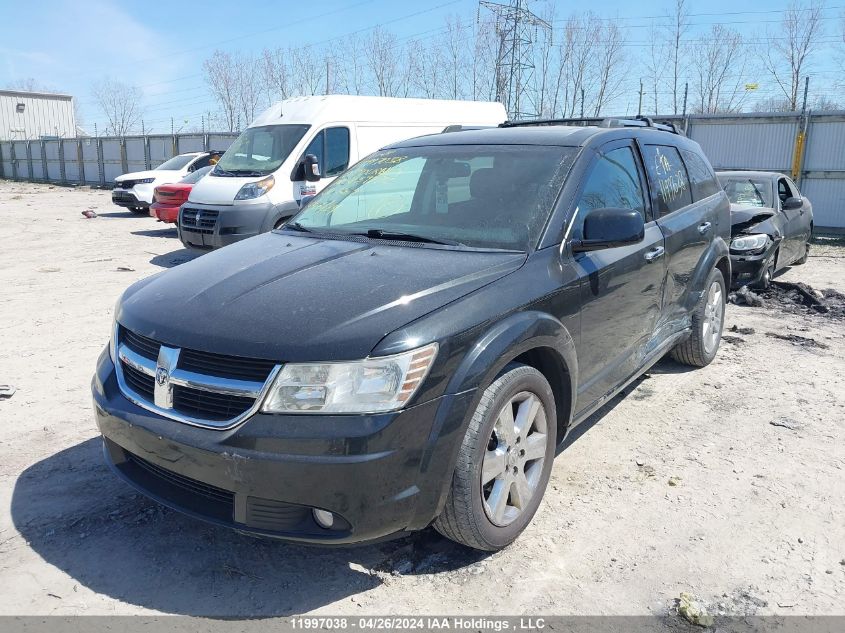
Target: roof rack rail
639, 121
458, 128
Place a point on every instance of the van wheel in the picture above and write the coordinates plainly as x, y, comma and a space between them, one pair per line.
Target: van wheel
504, 462
708, 319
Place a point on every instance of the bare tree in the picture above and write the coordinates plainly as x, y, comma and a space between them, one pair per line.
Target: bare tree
381, 59
609, 65
427, 62
350, 74
720, 54
483, 61
679, 25
454, 49
787, 52
29, 84
221, 75
276, 71
120, 103
656, 62
250, 86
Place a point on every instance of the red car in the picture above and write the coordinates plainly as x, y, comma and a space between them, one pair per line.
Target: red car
168, 198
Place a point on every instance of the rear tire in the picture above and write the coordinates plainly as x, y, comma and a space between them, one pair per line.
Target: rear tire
708, 319
504, 462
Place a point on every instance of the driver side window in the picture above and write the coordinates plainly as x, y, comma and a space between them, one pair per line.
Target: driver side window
614, 181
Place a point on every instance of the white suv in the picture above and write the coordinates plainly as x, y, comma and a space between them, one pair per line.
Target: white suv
135, 190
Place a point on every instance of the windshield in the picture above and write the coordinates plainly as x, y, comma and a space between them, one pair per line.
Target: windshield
177, 162
482, 196
194, 176
752, 192
259, 151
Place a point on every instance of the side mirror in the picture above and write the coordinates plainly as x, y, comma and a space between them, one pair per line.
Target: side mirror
608, 228
311, 168
792, 203
304, 200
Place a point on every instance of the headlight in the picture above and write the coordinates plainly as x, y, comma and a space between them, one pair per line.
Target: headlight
144, 181
256, 189
113, 339
749, 242
372, 385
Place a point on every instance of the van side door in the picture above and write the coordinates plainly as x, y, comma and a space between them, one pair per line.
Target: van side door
331, 146
621, 288
688, 227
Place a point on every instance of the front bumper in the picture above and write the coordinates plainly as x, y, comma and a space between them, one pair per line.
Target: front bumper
379, 474
748, 270
214, 226
126, 198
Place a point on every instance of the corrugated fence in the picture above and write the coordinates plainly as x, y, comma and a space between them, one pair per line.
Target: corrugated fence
811, 145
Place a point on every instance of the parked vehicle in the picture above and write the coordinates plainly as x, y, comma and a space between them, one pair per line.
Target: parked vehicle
297, 147
416, 343
772, 224
168, 198
135, 191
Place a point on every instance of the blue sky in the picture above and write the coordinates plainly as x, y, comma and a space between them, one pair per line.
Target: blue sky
68, 44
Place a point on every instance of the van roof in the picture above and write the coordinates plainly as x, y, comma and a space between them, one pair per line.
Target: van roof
318, 110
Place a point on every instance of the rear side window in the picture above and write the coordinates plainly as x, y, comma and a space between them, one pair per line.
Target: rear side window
668, 177
701, 176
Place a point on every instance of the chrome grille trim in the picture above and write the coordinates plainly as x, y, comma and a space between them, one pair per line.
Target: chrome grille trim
193, 380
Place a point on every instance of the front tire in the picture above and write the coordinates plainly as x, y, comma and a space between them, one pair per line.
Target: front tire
504, 462
803, 258
708, 319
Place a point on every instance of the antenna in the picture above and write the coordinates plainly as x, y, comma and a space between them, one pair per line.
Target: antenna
517, 28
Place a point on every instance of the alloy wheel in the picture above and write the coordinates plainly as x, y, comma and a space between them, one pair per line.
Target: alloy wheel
714, 309
513, 462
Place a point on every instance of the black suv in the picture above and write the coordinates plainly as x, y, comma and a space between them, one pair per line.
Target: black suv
414, 346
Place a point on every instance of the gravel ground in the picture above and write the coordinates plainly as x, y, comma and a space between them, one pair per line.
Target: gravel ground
725, 482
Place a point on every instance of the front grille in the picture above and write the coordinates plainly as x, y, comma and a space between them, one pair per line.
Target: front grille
185, 492
199, 220
226, 366
124, 184
140, 382
188, 400
208, 405
146, 347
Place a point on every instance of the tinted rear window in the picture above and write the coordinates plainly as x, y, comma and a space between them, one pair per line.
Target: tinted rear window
702, 178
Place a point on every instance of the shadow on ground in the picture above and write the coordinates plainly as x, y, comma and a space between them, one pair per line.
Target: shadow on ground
170, 231
76, 515
174, 258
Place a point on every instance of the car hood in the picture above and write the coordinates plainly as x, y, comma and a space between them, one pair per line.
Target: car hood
292, 298
744, 218
168, 175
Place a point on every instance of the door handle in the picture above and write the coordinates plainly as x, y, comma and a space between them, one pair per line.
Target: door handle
704, 227
654, 254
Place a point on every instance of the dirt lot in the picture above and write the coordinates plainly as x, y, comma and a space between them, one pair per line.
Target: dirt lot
727, 482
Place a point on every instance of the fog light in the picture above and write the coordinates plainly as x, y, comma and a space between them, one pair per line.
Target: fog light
324, 518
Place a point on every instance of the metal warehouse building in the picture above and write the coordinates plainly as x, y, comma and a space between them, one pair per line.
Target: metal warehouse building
36, 115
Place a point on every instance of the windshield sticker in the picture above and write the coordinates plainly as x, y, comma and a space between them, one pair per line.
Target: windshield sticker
671, 180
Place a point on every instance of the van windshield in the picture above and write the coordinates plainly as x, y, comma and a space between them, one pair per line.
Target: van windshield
480, 196
259, 151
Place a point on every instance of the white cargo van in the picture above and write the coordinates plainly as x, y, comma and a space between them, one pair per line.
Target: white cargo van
258, 182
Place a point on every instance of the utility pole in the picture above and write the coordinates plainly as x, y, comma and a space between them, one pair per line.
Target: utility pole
686, 91
806, 90
328, 74
582, 103
640, 107
516, 30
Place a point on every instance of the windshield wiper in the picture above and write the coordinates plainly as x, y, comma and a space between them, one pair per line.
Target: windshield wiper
296, 226
381, 234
